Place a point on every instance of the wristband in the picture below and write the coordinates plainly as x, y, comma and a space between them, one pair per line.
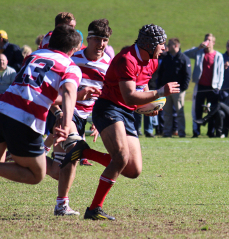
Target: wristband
57, 112
161, 92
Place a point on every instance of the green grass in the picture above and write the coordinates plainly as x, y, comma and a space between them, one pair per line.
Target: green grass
181, 193
188, 20
183, 189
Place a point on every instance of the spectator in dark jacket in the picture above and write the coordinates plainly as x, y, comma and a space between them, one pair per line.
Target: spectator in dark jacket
175, 67
11, 51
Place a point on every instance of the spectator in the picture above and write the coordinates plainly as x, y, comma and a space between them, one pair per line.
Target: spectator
39, 40
220, 112
176, 67
148, 120
225, 86
208, 75
160, 117
26, 50
11, 51
7, 74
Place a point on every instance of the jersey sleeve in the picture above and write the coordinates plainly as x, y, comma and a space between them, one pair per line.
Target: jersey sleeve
73, 75
126, 70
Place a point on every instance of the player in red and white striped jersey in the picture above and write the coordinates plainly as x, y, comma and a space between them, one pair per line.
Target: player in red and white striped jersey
93, 74
93, 63
24, 106
62, 18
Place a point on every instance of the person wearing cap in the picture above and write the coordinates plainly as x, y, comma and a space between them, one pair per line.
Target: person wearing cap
7, 74
11, 51
208, 76
125, 87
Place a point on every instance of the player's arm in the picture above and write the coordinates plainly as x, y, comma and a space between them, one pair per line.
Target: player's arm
88, 92
133, 97
69, 97
84, 94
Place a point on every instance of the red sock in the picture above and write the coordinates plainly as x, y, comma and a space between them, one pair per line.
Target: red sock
96, 156
104, 187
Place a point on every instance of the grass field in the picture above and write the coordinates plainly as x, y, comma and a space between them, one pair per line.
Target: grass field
188, 20
181, 193
183, 189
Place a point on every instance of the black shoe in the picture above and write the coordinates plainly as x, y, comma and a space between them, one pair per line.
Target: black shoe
97, 214
200, 121
195, 136
167, 136
75, 153
149, 135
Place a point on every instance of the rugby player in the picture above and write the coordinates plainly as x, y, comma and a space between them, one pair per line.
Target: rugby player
25, 104
93, 62
125, 87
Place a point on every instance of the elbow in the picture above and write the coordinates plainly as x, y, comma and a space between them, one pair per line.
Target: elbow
129, 102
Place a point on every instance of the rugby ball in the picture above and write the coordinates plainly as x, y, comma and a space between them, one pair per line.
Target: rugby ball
152, 106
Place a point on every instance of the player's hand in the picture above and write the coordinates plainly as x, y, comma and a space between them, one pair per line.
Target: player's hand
60, 134
171, 88
153, 114
88, 92
59, 119
95, 133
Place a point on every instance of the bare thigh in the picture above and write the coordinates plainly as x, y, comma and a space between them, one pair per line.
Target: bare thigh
124, 150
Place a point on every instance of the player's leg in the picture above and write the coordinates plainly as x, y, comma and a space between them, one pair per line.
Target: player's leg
66, 176
29, 164
134, 165
3, 152
115, 140
30, 170
48, 143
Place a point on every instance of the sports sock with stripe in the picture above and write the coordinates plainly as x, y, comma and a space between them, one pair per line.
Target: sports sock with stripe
104, 187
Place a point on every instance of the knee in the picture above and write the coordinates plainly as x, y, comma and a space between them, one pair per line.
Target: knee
120, 159
135, 174
132, 173
38, 178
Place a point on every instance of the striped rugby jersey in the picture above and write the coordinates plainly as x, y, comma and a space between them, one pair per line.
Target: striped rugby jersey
93, 74
37, 86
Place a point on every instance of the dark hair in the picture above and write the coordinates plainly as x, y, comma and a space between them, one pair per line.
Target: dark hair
100, 28
64, 38
64, 17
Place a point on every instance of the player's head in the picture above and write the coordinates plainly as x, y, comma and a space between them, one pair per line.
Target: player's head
66, 18
149, 37
99, 28
64, 38
99, 33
